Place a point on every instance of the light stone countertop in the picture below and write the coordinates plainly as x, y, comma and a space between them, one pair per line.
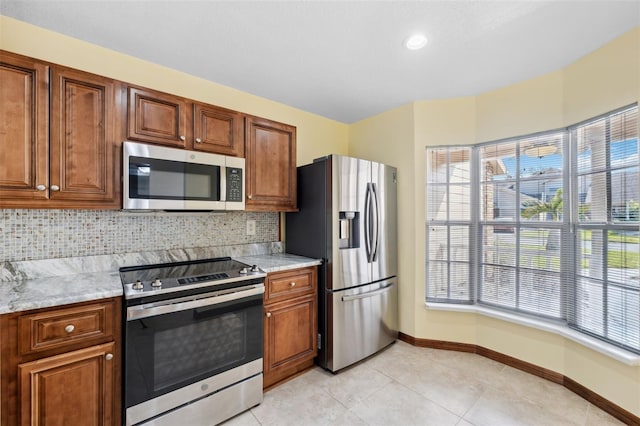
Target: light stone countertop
278, 261
58, 290
30, 290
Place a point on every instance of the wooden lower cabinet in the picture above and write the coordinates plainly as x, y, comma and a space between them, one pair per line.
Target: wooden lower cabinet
75, 388
290, 326
61, 366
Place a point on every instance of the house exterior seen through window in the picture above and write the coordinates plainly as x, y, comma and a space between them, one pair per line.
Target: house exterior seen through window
543, 225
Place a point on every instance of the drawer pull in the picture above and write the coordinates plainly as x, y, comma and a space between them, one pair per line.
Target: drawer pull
69, 328
268, 314
292, 284
108, 357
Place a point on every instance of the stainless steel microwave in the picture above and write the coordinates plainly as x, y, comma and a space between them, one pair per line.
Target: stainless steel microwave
159, 178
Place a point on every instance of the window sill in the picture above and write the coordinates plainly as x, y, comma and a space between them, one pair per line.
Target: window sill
616, 353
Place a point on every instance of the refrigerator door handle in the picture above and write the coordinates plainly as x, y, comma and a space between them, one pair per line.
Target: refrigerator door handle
367, 294
375, 223
367, 222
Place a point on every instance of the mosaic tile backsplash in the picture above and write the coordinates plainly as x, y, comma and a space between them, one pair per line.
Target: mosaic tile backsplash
45, 234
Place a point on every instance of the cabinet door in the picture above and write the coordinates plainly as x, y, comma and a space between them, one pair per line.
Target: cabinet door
290, 333
76, 388
24, 129
83, 129
157, 117
271, 165
217, 130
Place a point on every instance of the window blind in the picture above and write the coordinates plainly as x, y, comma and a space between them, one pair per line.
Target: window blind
522, 224
448, 230
606, 300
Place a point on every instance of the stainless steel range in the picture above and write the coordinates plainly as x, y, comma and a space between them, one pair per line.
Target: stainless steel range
193, 341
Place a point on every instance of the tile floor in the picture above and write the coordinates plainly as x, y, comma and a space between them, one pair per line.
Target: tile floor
407, 385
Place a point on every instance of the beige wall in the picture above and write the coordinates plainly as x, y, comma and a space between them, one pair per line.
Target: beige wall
317, 135
608, 78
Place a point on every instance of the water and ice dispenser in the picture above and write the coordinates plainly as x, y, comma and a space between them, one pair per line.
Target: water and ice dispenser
348, 233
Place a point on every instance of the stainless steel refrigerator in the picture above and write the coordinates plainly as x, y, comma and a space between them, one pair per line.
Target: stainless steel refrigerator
347, 217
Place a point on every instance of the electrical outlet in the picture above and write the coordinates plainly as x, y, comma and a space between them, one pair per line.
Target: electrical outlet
251, 227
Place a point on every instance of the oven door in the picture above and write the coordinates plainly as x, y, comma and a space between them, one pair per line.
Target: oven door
174, 343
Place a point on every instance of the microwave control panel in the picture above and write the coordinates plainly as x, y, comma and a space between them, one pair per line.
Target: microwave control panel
234, 184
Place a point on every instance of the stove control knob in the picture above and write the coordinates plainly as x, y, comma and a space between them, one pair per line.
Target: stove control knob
137, 285
156, 283
255, 268
244, 271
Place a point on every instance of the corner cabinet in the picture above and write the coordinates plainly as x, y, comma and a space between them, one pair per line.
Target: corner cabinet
290, 324
165, 119
57, 151
270, 150
62, 365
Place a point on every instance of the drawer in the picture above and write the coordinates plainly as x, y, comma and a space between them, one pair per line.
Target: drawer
292, 283
66, 327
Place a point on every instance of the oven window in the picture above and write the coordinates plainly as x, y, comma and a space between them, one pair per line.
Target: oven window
153, 179
179, 351
169, 351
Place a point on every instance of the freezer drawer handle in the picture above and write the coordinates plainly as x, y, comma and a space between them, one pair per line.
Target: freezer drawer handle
367, 294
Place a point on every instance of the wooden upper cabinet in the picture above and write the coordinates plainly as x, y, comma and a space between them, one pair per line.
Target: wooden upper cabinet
24, 129
165, 119
58, 129
83, 130
217, 130
270, 150
157, 117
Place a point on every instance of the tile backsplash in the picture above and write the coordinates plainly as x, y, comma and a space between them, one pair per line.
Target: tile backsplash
45, 234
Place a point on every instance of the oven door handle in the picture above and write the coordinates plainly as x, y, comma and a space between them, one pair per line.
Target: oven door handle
177, 305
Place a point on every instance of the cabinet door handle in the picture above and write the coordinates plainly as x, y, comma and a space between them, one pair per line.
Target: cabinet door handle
292, 284
250, 196
198, 140
268, 314
108, 357
41, 187
55, 188
182, 138
69, 328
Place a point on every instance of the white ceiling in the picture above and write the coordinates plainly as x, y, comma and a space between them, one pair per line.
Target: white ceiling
344, 59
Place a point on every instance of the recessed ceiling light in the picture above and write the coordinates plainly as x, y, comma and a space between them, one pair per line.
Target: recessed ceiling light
415, 42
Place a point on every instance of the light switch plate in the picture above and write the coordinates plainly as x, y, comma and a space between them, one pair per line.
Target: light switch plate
251, 227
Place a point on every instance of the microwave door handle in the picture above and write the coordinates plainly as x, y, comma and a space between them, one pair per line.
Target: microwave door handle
223, 183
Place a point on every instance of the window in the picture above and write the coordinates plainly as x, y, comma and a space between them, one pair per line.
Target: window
522, 223
605, 295
543, 225
449, 225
